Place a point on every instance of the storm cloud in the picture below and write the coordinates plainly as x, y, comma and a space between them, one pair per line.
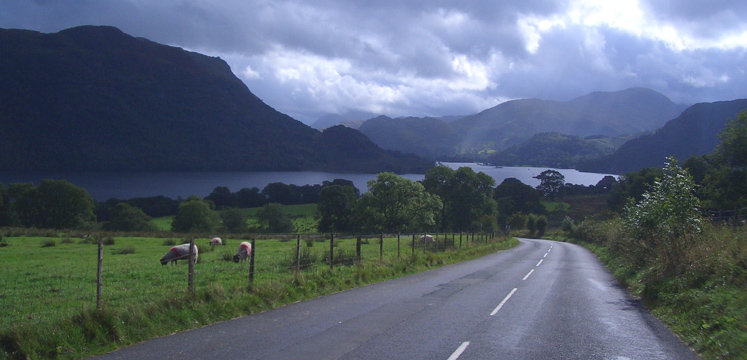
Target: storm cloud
434, 58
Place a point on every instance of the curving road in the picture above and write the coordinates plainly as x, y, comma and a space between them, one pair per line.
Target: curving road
539, 300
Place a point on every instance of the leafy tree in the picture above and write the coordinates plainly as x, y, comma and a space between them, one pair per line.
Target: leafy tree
605, 185
541, 225
129, 218
466, 196
249, 198
222, 197
394, 203
274, 218
665, 223
513, 196
725, 186
342, 182
195, 215
280, 193
632, 185
531, 224
336, 207
551, 183
55, 204
517, 221
234, 220
7, 216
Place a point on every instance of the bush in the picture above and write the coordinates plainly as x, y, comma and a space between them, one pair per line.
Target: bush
48, 243
169, 242
124, 250
108, 241
541, 224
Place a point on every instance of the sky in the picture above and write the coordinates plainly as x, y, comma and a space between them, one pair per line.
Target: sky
434, 57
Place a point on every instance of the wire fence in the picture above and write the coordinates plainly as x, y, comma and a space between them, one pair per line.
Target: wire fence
40, 283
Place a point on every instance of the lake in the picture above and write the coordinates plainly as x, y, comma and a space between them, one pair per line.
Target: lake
131, 184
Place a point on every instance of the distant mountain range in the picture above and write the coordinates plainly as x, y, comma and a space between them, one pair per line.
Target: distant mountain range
610, 114
95, 98
693, 133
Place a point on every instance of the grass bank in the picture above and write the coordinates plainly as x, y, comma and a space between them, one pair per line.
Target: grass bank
136, 310
703, 303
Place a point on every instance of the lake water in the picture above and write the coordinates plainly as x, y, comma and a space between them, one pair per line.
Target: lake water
129, 184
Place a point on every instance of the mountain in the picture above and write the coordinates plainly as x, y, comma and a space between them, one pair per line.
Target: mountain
95, 98
554, 150
428, 137
599, 113
694, 132
350, 119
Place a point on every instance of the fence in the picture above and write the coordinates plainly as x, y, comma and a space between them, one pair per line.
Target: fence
733, 216
41, 283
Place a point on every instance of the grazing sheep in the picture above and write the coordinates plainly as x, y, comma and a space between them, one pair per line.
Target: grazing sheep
178, 252
216, 241
426, 239
245, 249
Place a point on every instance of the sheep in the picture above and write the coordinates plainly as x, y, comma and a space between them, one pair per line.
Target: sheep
426, 239
245, 249
178, 252
216, 241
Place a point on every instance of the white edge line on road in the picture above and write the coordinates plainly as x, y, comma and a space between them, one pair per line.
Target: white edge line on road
546, 254
525, 277
458, 352
498, 308
538, 264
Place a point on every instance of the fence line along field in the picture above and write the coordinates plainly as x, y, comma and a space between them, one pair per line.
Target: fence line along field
44, 279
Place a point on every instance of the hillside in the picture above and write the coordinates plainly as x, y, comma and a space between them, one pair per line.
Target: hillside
600, 113
428, 137
554, 150
695, 132
95, 98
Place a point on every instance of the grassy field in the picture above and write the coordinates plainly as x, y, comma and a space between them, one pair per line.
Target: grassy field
48, 286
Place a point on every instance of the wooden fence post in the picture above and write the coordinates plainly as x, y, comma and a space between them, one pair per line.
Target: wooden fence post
381, 247
191, 277
398, 245
251, 260
460, 239
99, 283
331, 250
413, 245
358, 248
298, 253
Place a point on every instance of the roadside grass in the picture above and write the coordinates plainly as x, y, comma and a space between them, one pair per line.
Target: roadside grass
49, 294
704, 304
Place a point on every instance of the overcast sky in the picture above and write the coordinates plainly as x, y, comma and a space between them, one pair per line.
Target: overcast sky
434, 57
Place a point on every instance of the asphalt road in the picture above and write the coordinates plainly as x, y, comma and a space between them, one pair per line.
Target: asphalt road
539, 300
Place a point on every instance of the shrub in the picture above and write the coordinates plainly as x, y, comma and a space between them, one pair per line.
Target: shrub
541, 224
66, 240
124, 250
108, 240
169, 242
48, 243
666, 222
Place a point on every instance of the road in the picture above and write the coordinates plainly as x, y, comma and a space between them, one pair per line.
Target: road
539, 300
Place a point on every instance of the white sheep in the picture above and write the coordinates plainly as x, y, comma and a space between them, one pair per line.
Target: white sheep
178, 252
216, 241
245, 249
427, 238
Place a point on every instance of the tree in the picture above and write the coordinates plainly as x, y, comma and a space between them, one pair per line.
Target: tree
274, 218
129, 218
551, 182
513, 196
665, 223
249, 198
222, 198
336, 207
55, 204
195, 215
541, 225
234, 220
394, 203
280, 193
7, 216
466, 196
725, 185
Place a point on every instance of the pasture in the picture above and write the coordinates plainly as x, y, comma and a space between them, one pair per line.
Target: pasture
41, 282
